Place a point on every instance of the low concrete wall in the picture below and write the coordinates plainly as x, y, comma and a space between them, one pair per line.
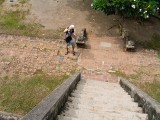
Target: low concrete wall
50, 106
149, 105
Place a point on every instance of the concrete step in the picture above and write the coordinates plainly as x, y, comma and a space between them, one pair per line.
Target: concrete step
103, 103
106, 88
98, 100
114, 115
100, 93
66, 118
94, 85
105, 109
103, 99
93, 82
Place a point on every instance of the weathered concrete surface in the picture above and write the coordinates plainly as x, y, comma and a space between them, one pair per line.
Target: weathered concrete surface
99, 100
9, 116
149, 105
49, 107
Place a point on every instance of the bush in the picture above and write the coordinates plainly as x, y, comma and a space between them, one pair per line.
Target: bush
128, 8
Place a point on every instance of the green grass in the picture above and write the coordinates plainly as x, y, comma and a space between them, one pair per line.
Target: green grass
132, 76
12, 23
20, 96
154, 43
1, 1
121, 74
152, 88
23, 1
12, 20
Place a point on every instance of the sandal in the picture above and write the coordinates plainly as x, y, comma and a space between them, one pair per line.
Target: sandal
74, 53
66, 53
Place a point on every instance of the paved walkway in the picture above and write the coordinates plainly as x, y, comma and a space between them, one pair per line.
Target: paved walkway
99, 100
99, 58
105, 55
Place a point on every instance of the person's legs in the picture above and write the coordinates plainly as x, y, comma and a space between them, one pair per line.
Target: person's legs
68, 44
73, 50
73, 46
67, 51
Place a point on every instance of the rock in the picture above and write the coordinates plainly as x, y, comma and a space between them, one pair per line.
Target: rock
111, 71
24, 45
67, 73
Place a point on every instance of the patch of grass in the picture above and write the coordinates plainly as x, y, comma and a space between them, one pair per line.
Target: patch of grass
121, 74
12, 20
1, 1
12, 23
8, 59
155, 42
152, 88
20, 96
23, 1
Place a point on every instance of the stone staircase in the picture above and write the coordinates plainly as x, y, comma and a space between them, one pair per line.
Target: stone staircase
99, 100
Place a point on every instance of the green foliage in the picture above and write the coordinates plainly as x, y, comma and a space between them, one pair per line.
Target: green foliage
128, 8
103, 5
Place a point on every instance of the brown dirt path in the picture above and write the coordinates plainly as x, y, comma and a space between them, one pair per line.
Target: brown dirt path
55, 14
106, 56
106, 47
25, 56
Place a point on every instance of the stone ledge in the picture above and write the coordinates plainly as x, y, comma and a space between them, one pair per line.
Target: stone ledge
149, 105
51, 105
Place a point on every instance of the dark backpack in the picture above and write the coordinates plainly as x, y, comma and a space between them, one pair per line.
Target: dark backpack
68, 37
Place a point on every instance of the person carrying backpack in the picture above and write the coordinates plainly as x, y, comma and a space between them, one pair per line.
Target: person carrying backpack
70, 38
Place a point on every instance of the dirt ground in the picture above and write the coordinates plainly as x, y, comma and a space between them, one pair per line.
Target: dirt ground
55, 14
106, 58
23, 57
28, 56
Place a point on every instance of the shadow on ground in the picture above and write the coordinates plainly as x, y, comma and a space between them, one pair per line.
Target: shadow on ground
108, 25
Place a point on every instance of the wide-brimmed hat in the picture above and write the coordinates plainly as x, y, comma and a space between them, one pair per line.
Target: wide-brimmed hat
71, 27
65, 30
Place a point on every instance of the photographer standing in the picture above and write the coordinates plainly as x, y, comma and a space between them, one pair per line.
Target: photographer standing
70, 38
